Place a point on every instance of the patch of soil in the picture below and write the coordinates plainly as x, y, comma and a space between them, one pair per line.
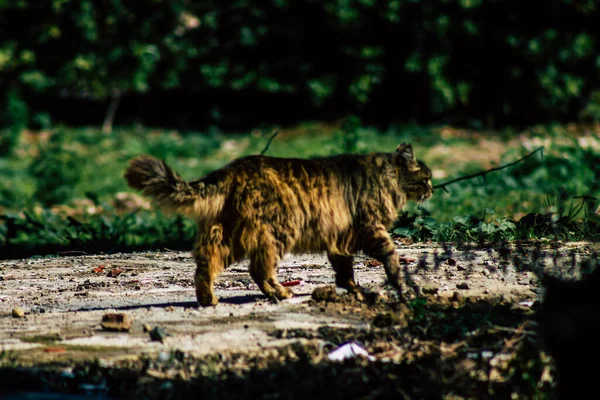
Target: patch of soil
444, 340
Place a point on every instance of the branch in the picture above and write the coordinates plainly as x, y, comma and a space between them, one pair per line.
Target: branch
109, 118
484, 173
269, 143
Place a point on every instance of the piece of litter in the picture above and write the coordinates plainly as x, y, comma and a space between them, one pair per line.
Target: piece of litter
292, 283
349, 350
527, 303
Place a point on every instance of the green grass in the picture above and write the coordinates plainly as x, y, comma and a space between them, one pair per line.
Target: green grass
59, 189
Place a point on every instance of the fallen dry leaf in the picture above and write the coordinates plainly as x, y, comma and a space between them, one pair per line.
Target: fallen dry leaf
54, 350
373, 263
99, 269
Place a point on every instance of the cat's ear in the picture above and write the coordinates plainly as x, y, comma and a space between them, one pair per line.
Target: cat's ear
404, 155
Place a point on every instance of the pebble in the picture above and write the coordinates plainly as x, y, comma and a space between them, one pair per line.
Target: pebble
158, 334
429, 289
118, 322
18, 312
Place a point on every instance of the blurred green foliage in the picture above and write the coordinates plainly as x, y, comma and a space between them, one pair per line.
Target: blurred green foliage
56, 170
508, 60
63, 190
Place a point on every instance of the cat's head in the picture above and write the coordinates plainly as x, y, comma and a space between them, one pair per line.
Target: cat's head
414, 173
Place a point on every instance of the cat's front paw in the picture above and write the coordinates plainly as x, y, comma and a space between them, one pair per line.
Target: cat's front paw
207, 300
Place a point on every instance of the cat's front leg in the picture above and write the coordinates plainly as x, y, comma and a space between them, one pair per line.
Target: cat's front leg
377, 243
344, 273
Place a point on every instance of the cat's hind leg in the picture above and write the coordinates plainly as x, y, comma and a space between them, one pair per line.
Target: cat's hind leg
204, 278
211, 258
263, 269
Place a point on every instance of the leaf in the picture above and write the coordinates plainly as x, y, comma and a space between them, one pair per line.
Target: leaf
99, 269
462, 220
404, 232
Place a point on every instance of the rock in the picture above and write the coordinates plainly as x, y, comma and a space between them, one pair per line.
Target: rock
118, 322
158, 334
451, 261
114, 272
325, 293
18, 312
462, 285
385, 319
429, 289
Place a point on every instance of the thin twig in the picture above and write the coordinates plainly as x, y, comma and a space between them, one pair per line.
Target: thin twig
484, 173
109, 119
269, 143
520, 330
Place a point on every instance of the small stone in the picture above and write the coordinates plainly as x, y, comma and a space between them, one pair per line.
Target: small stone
462, 285
429, 289
386, 319
451, 261
114, 272
461, 268
147, 328
18, 312
325, 293
118, 322
158, 334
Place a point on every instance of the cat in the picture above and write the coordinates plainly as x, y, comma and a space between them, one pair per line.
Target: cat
262, 207
568, 317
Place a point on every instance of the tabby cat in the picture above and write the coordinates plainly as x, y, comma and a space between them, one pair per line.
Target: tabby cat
263, 207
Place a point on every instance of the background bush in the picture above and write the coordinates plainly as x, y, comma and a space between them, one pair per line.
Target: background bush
236, 64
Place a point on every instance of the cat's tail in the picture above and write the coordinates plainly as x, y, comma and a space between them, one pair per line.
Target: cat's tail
155, 179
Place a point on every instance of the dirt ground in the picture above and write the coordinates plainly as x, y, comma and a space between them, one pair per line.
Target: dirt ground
64, 299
